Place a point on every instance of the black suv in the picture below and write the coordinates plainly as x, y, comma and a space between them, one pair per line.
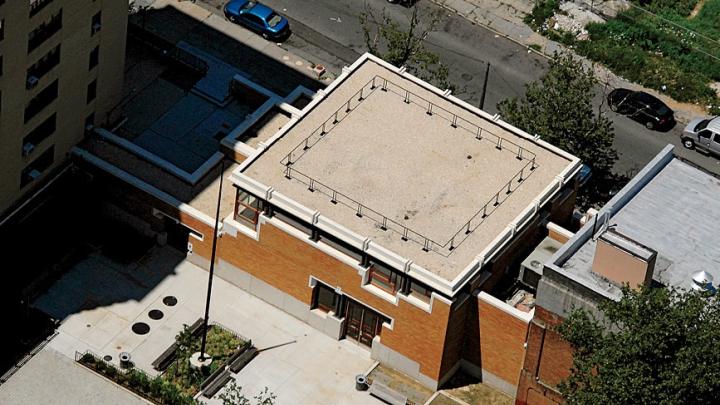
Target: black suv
641, 107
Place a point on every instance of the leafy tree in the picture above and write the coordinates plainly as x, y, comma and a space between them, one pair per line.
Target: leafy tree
654, 346
232, 395
403, 45
559, 108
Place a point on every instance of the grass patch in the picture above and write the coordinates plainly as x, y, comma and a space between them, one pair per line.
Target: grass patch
221, 344
180, 382
660, 49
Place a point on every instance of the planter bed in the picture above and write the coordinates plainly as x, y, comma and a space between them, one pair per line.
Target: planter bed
180, 383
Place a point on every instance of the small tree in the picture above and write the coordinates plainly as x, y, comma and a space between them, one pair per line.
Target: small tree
403, 45
232, 395
656, 345
559, 108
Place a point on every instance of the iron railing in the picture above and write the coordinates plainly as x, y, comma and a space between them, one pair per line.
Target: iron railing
432, 109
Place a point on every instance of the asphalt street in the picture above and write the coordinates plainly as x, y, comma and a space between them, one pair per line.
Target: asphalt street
329, 32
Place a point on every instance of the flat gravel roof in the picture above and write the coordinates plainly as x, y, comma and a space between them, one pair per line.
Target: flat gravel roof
411, 161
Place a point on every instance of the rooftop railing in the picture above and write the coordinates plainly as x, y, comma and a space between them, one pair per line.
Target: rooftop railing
383, 222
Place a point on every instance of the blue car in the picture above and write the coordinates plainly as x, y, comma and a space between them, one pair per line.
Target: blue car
257, 17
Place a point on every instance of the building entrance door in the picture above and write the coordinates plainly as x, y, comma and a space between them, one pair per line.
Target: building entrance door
362, 323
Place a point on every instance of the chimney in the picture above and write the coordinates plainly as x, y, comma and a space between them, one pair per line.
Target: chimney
621, 260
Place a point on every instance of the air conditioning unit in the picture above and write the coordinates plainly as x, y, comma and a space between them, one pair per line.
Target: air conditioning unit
34, 174
32, 81
27, 149
96, 28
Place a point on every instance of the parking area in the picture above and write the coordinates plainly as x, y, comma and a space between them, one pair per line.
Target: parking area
101, 299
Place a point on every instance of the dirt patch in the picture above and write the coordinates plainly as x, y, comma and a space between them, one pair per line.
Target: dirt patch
414, 390
697, 9
481, 394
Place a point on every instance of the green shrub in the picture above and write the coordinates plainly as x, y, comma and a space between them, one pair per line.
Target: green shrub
681, 7
656, 54
88, 358
541, 12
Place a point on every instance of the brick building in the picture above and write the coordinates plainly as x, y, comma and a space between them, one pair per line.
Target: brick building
628, 241
383, 210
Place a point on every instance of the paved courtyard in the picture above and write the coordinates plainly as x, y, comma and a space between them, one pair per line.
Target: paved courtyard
100, 299
52, 378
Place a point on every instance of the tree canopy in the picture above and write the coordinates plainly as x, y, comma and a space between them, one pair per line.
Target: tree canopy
403, 44
654, 346
559, 108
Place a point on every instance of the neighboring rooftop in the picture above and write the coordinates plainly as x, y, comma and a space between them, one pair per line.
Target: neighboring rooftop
419, 163
671, 207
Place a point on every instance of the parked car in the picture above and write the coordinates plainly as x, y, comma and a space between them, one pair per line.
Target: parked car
584, 175
703, 134
641, 107
257, 17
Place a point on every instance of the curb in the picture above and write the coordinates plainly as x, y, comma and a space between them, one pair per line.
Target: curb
489, 28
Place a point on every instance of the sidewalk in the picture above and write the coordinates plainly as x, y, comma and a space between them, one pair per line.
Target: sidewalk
505, 18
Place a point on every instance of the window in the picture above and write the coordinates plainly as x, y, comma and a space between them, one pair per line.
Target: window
247, 208
38, 134
89, 123
702, 125
254, 20
1, 65
41, 100
44, 31
2, 29
716, 138
419, 291
292, 221
42, 67
37, 5
384, 278
96, 24
341, 246
705, 135
91, 91
325, 298
37, 167
94, 58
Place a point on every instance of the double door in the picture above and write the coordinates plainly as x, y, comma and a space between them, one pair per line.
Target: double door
362, 323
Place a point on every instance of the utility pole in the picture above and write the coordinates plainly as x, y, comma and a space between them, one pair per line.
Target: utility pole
212, 265
485, 82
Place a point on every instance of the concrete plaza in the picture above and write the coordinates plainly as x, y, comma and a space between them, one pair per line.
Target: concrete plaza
99, 300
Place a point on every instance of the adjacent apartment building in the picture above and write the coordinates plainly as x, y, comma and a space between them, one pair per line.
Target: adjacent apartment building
388, 212
655, 231
61, 71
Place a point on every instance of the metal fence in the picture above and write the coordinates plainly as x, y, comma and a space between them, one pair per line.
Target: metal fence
432, 109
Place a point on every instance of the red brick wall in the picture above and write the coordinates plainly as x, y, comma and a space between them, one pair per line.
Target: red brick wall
502, 341
287, 263
548, 361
